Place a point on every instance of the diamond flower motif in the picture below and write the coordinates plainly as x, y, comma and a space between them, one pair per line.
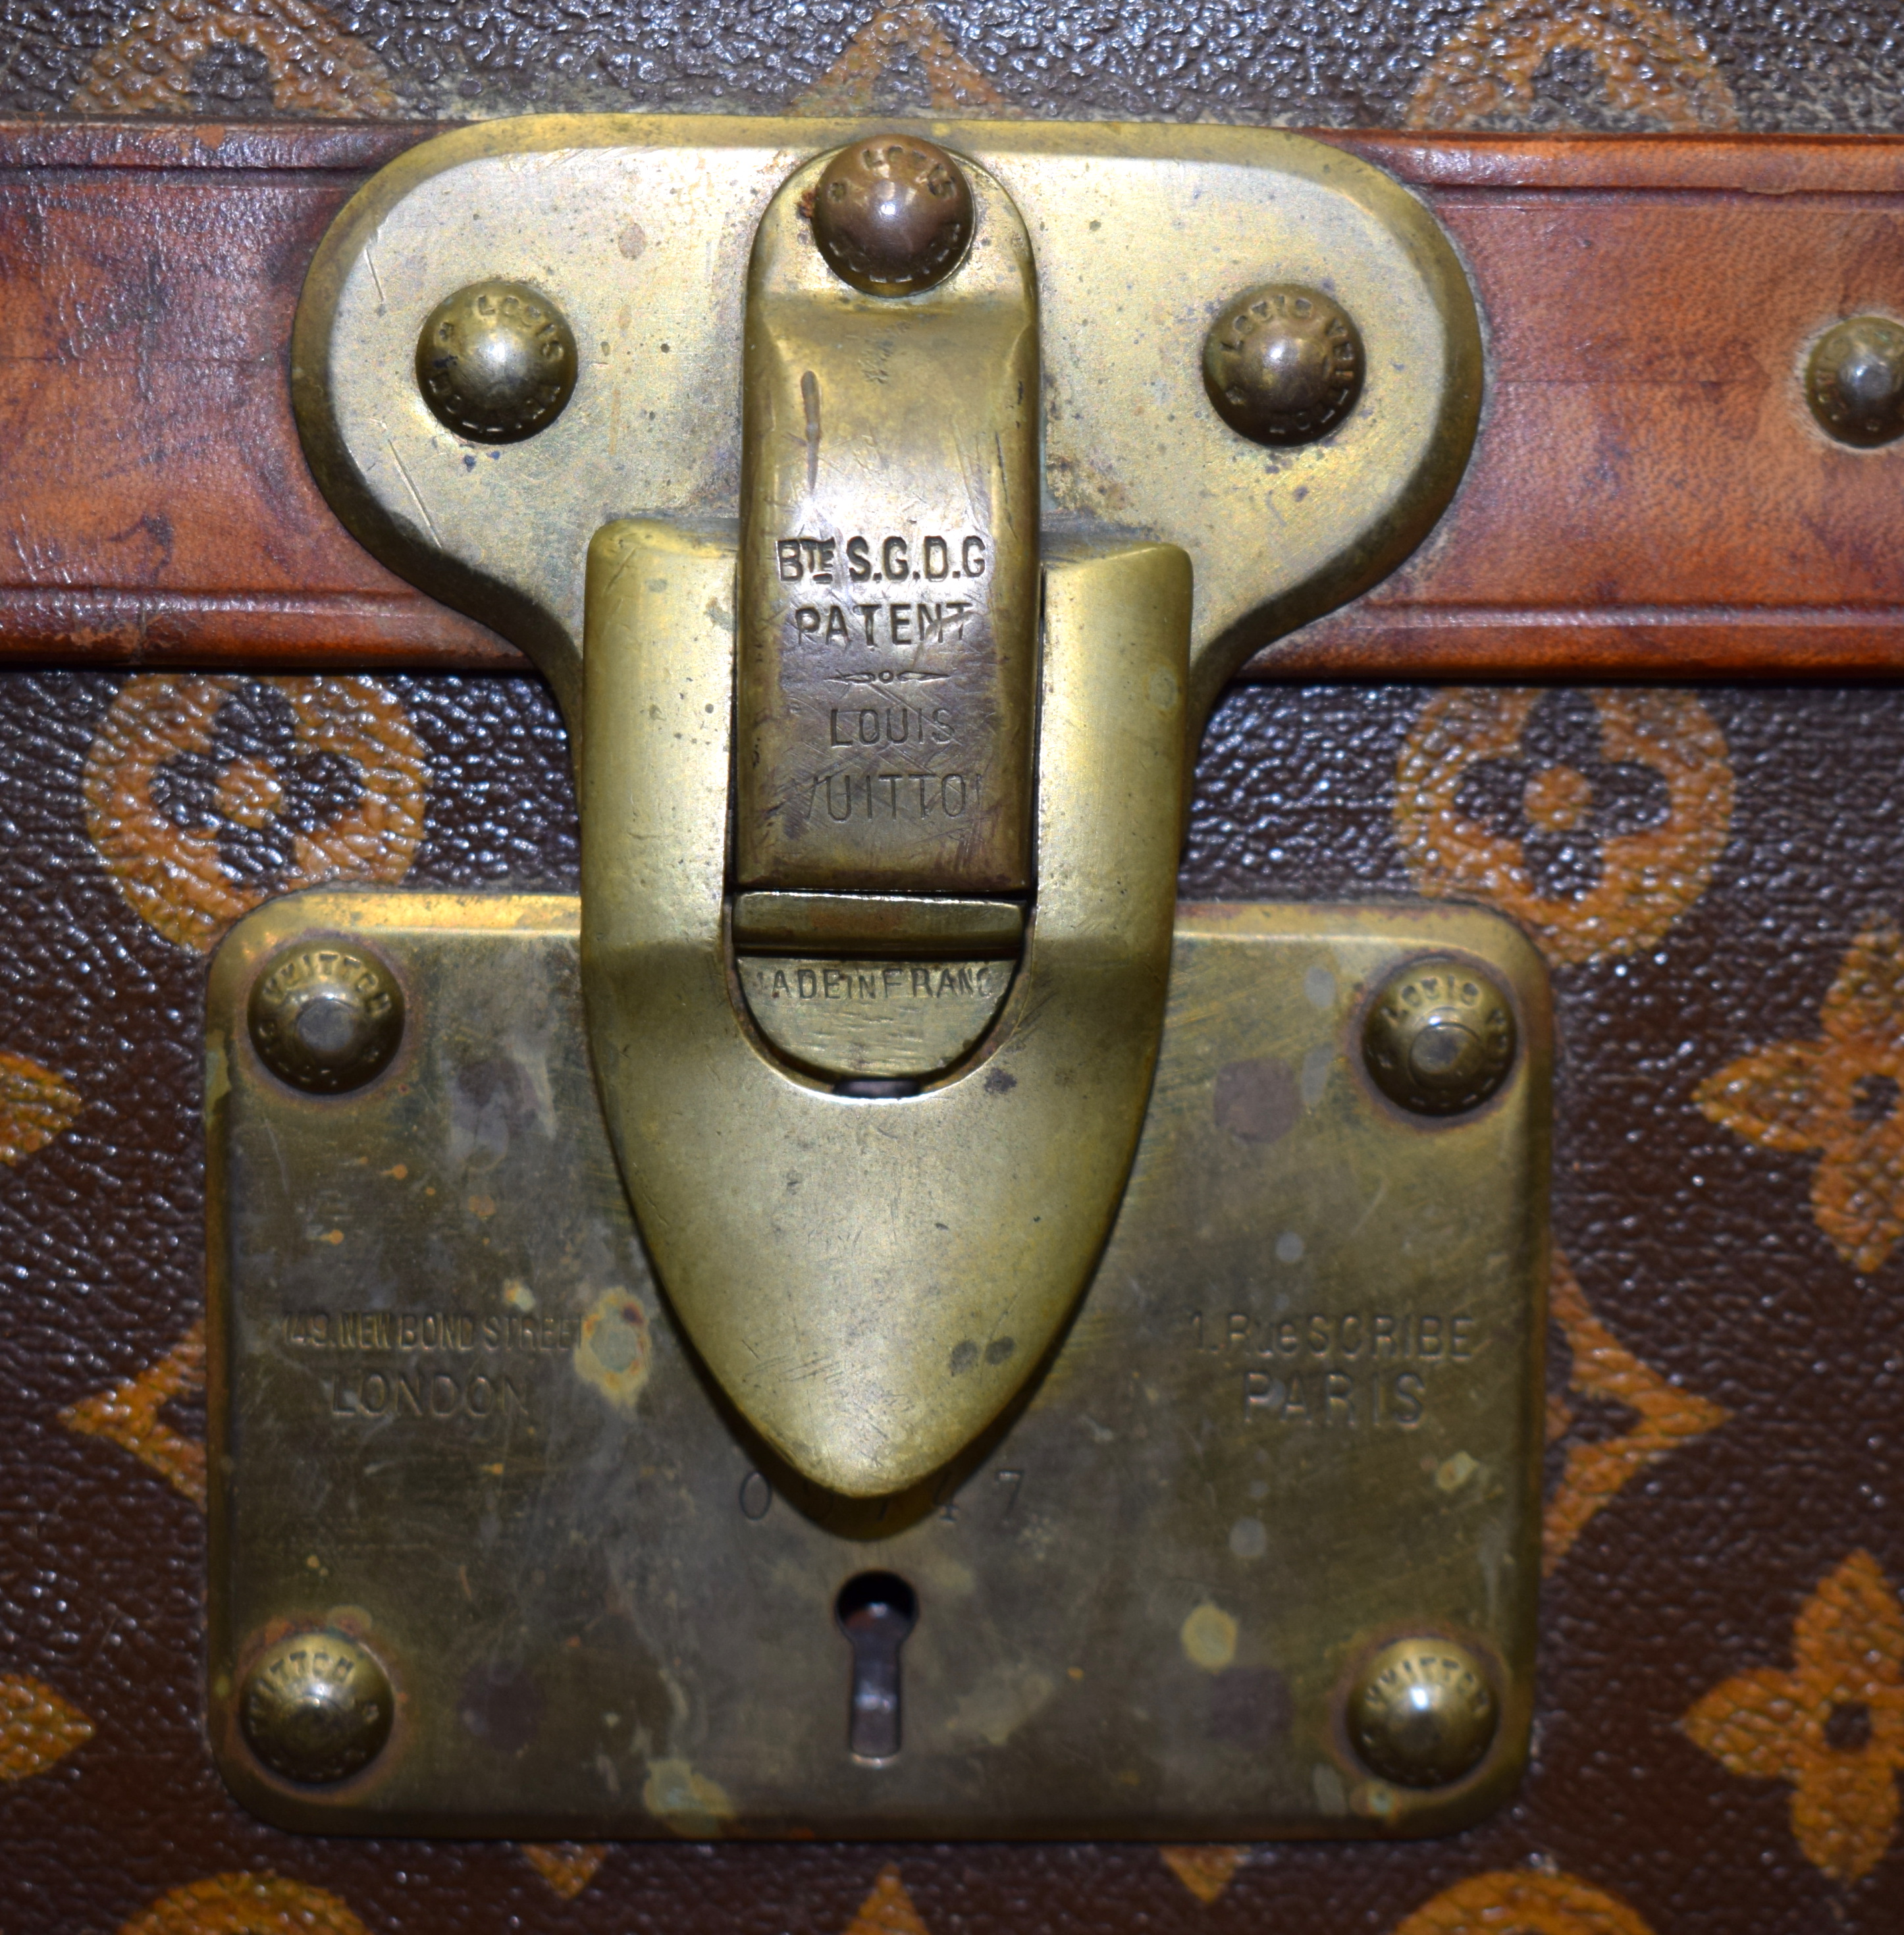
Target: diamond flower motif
1605, 1373
1836, 1097
129, 1415
1832, 1724
1206, 1871
37, 1727
36, 1106
568, 1866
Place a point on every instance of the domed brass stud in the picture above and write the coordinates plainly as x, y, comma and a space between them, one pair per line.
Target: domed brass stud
892, 214
1421, 1713
324, 1017
316, 1708
1854, 382
1439, 1039
1282, 364
496, 362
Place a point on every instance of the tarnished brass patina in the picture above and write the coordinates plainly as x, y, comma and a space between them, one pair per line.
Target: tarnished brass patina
1439, 1038
872, 1280
1297, 1416
316, 1707
872, 1017
640, 229
1854, 381
1421, 1712
873, 1527
889, 565
817, 648
898, 925
496, 362
1284, 366
325, 1018
892, 214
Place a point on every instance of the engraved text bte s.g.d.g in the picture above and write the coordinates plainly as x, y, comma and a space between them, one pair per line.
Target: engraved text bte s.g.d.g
888, 568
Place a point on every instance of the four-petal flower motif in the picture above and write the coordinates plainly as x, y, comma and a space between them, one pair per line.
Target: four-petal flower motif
1832, 1724
1836, 1096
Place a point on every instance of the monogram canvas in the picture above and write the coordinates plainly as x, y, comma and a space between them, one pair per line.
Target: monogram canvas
1620, 65
1715, 875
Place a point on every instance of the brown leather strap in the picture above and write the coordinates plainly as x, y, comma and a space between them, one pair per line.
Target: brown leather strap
1649, 497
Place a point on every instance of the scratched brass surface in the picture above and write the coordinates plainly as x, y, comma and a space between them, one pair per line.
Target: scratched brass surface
639, 228
1297, 1416
872, 1017
969, 1215
828, 1254
885, 926
887, 655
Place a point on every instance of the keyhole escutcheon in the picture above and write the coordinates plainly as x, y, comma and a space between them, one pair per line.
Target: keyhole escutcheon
876, 1611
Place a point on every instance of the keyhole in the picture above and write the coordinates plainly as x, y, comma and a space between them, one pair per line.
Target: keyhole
876, 1611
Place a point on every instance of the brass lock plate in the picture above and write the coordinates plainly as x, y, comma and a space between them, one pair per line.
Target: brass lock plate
463, 1463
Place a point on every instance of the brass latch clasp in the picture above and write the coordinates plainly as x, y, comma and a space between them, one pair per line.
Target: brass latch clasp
886, 513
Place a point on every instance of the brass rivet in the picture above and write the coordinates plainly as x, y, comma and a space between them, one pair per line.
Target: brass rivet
1439, 1039
892, 214
1282, 364
1854, 382
324, 1017
496, 362
1421, 1713
316, 1708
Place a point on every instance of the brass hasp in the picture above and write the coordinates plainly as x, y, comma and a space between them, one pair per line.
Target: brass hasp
882, 720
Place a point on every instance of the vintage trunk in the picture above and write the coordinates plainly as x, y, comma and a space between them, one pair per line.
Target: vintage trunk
1638, 691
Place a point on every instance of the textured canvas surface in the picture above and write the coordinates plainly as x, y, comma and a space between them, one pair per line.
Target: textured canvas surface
1502, 63
1717, 880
